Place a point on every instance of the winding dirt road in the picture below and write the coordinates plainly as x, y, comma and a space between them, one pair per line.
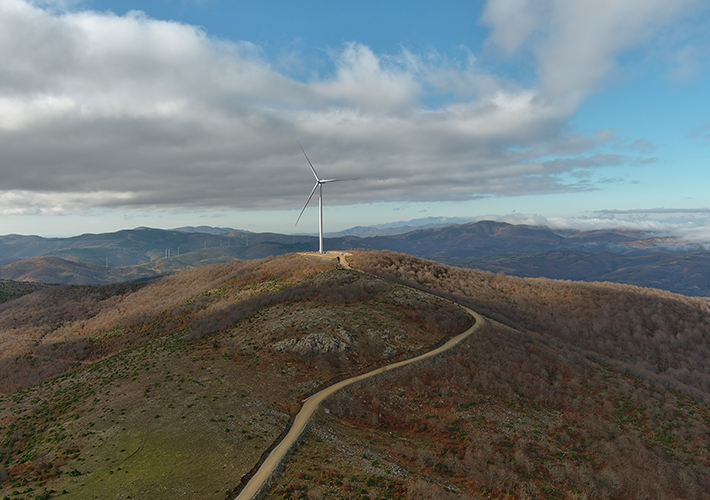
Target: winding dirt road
310, 405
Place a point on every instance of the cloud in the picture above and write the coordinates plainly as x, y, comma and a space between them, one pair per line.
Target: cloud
642, 145
655, 211
365, 81
575, 44
34, 203
101, 110
686, 64
691, 226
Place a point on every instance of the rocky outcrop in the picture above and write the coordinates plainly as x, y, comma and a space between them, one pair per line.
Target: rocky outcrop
316, 343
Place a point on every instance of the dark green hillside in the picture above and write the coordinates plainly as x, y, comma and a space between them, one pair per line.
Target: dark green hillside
58, 270
144, 245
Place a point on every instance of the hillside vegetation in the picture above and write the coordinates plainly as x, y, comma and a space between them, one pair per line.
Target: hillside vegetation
10, 290
674, 271
59, 270
177, 387
647, 332
106, 385
586, 391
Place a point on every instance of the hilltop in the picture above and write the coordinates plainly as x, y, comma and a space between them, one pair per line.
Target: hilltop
569, 389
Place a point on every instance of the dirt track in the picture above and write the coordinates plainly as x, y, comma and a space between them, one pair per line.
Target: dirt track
254, 486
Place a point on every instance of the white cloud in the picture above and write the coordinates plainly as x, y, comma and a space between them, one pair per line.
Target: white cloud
47, 203
691, 226
104, 110
363, 81
576, 43
512, 22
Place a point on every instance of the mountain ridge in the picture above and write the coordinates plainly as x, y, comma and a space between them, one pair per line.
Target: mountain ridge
617, 255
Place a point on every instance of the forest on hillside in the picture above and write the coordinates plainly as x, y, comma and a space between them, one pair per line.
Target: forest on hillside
576, 391
510, 416
10, 290
62, 328
650, 333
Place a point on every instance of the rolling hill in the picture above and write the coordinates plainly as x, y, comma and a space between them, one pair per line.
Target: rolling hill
55, 270
122, 248
178, 386
619, 256
679, 273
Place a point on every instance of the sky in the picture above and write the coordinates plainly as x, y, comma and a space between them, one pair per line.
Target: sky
117, 114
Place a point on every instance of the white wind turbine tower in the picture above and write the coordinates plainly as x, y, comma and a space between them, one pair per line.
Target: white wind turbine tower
319, 186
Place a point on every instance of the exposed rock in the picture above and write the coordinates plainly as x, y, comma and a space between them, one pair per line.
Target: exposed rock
315, 343
389, 352
345, 335
384, 335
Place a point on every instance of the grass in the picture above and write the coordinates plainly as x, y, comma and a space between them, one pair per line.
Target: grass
152, 413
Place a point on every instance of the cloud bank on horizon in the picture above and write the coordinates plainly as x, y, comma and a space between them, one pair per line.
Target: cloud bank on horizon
101, 110
690, 226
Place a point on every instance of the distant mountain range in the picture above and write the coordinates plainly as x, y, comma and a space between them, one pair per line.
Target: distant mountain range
215, 231
394, 228
621, 256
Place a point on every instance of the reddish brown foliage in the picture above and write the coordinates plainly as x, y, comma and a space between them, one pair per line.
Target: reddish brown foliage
649, 333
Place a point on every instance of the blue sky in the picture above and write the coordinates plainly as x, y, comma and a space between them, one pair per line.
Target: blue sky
587, 114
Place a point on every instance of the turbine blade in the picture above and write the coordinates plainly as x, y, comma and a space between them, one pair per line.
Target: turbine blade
309, 161
323, 181
307, 201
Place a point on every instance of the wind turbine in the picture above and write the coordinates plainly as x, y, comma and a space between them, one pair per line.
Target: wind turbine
319, 187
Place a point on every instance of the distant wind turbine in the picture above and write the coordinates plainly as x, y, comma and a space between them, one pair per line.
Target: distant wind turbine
319, 187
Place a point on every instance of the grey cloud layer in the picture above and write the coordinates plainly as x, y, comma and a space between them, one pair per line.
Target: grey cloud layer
104, 110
